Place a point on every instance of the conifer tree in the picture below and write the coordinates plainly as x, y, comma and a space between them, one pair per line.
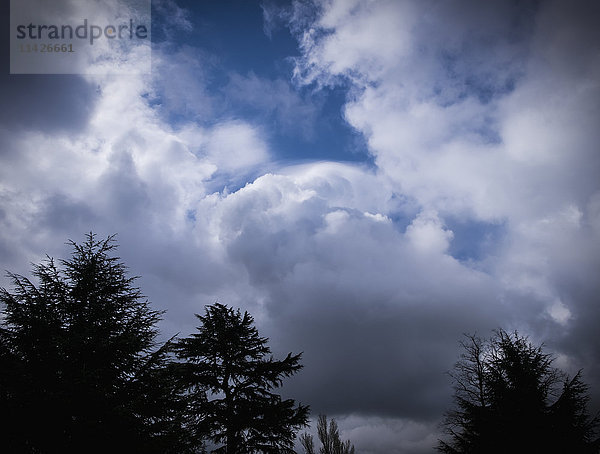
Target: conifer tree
81, 368
509, 398
232, 380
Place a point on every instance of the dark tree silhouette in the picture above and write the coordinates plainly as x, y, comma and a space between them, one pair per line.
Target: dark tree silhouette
329, 436
509, 398
232, 378
81, 368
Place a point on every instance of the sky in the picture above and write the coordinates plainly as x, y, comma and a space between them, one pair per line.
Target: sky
370, 179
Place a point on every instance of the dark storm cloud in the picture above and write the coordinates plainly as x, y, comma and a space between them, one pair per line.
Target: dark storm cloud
49, 103
61, 213
387, 359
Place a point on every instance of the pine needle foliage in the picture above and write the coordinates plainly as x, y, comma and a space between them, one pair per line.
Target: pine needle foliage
233, 380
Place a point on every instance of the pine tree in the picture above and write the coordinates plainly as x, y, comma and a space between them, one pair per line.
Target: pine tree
81, 368
232, 379
504, 393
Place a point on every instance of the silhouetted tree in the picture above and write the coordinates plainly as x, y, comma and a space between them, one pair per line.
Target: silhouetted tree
509, 398
307, 442
232, 378
81, 368
329, 436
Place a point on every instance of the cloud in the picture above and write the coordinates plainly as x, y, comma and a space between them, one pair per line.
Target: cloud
388, 435
371, 435
481, 209
126, 170
482, 116
275, 101
179, 88
427, 234
518, 149
172, 18
236, 146
93, 48
43, 102
295, 15
331, 274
